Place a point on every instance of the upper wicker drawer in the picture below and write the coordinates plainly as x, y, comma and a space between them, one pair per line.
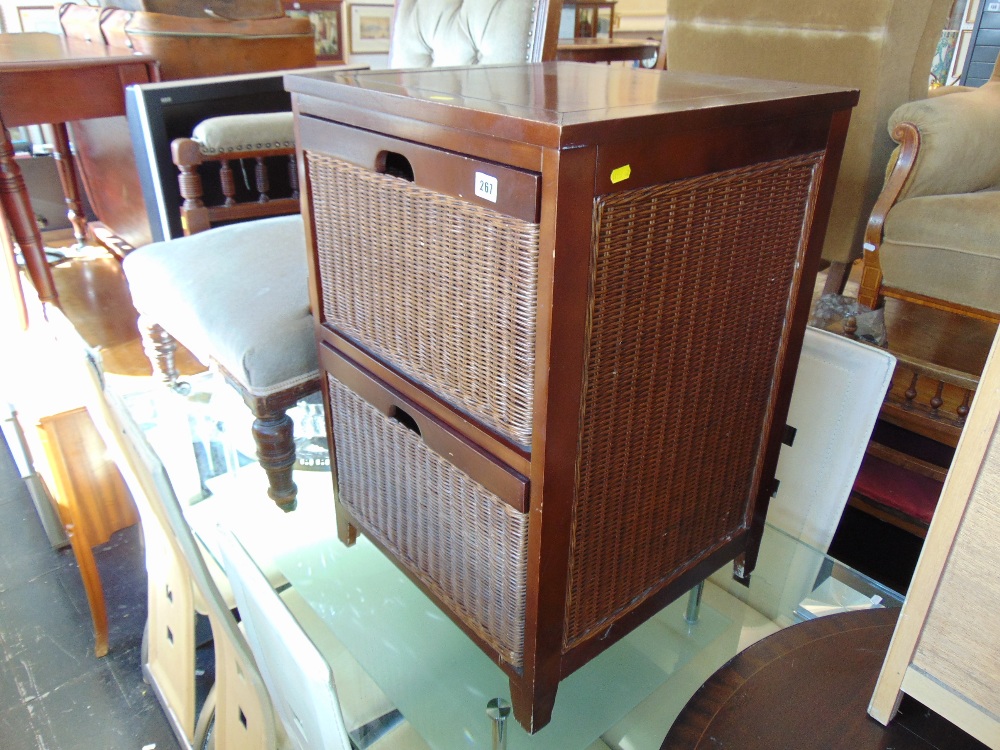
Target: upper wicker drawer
437, 286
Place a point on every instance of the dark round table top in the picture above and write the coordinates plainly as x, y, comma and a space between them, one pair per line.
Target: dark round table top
808, 686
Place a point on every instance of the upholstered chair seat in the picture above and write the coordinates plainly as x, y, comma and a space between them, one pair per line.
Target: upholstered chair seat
251, 319
940, 246
259, 131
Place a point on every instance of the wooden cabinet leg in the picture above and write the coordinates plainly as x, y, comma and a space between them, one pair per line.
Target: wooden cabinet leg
346, 531
533, 707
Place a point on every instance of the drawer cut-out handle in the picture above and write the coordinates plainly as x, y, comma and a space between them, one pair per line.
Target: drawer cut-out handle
394, 165
404, 419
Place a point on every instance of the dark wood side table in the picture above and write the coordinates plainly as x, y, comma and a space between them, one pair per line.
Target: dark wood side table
606, 50
46, 78
806, 687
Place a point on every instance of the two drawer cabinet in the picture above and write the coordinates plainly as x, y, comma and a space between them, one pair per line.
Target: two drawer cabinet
559, 310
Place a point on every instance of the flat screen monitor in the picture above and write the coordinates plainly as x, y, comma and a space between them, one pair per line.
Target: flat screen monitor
160, 112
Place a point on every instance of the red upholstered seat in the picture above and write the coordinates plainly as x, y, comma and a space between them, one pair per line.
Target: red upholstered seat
898, 489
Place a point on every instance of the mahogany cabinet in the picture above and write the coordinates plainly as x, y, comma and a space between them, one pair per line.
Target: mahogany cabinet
559, 309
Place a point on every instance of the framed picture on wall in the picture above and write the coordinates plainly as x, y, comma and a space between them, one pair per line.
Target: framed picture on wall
325, 16
370, 28
39, 18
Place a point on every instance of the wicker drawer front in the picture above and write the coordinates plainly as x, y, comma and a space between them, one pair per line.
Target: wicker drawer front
467, 545
436, 286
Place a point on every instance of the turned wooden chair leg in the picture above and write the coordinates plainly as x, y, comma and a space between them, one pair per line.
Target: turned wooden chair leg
160, 347
274, 435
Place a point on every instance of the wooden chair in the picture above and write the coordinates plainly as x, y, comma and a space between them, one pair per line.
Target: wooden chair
184, 47
884, 48
931, 242
236, 293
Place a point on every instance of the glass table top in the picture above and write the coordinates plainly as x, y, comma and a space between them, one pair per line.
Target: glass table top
626, 698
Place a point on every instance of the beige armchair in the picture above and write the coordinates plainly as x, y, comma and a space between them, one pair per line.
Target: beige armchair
933, 236
882, 47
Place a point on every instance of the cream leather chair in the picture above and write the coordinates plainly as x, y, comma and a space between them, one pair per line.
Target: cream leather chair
433, 33
295, 663
882, 47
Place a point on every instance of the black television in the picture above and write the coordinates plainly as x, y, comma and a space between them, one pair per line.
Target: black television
160, 112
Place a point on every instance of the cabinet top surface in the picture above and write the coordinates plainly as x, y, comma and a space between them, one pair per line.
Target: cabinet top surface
561, 95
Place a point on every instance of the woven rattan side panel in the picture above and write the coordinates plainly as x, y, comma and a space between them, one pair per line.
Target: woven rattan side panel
441, 288
690, 297
465, 544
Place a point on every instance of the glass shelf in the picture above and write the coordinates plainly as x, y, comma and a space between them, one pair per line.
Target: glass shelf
438, 678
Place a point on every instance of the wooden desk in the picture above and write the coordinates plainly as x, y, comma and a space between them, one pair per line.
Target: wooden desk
46, 78
606, 50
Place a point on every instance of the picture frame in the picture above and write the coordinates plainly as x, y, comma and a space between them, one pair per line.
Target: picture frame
34, 18
325, 17
371, 28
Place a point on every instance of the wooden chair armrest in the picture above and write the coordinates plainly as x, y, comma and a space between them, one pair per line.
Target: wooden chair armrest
907, 136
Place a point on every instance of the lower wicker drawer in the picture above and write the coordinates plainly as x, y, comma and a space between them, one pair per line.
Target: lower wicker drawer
464, 542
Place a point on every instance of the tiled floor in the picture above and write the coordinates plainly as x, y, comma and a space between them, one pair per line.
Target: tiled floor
54, 693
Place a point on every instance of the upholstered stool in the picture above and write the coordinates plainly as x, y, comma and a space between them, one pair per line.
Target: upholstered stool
236, 297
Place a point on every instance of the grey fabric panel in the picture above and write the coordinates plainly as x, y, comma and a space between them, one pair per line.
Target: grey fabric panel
237, 295
883, 48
